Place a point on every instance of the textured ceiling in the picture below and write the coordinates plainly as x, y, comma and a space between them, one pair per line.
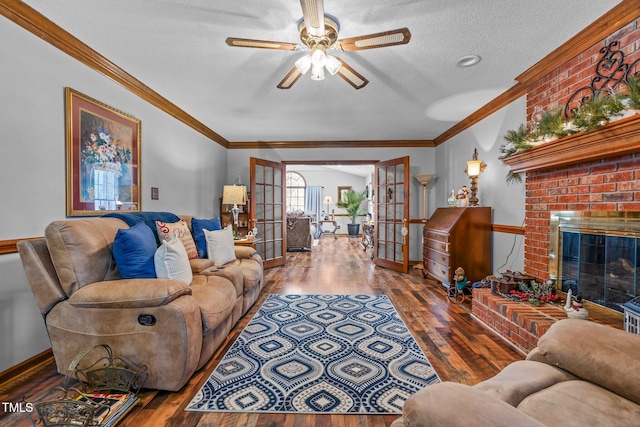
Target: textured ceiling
415, 91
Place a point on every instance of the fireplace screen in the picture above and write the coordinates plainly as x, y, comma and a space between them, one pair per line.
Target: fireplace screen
597, 255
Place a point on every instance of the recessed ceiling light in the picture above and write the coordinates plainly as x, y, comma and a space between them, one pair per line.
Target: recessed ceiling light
468, 61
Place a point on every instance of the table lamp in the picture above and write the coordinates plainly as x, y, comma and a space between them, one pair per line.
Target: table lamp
474, 167
234, 195
328, 202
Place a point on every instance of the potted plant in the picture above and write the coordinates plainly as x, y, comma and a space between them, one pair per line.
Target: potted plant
353, 201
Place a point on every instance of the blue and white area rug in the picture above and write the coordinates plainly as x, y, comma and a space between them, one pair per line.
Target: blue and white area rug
319, 354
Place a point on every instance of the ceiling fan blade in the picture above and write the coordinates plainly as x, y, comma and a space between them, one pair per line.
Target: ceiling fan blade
313, 12
261, 44
372, 41
352, 77
291, 77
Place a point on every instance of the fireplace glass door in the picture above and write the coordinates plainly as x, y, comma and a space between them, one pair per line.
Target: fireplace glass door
602, 268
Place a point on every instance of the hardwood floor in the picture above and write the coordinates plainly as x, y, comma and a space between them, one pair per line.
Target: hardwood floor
458, 347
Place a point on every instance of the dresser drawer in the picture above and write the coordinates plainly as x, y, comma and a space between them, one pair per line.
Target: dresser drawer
437, 256
437, 270
436, 245
434, 235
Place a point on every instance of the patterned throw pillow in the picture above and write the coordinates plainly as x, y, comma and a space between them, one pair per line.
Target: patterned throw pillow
166, 231
171, 261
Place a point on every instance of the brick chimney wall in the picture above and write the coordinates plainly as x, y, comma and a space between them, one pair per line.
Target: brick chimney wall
611, 184
554, 89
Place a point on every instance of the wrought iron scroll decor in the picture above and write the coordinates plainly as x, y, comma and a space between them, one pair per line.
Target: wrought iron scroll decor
611, 71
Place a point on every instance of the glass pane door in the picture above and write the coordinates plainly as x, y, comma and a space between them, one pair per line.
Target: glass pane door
392, 214
268, 207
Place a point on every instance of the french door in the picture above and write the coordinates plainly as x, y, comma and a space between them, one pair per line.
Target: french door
391, 212
391, 185
267, 200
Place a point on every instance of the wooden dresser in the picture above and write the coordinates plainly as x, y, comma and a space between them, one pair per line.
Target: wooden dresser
457, 237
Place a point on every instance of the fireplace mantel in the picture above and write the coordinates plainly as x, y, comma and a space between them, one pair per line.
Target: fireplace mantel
614, 139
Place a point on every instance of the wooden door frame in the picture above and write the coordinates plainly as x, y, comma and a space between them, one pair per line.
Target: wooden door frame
382, 262
253, 161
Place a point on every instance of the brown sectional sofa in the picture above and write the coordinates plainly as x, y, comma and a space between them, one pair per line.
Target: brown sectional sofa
171, 327
581, 374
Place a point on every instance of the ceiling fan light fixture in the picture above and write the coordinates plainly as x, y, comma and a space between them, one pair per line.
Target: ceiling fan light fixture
332, 64
317, 72
303, 64
318, 57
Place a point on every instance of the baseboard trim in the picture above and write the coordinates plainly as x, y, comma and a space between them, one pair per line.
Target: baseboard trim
23, 368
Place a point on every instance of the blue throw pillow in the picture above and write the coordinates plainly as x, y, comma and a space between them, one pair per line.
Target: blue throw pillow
197, 226
133, 250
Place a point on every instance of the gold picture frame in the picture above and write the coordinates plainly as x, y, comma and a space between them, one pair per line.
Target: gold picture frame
103, 157
342, 198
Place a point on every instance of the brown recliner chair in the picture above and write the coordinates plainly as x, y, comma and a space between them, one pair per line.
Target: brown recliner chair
170, 327
300, 232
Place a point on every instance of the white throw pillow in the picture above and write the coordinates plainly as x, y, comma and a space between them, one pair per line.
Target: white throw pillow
220, 245
172, 262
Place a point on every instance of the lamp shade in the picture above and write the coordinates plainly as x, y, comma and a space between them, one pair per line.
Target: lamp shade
328, 201
234, 195
473, 167
424, 178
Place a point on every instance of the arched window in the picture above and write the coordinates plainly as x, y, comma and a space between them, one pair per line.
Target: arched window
296, 189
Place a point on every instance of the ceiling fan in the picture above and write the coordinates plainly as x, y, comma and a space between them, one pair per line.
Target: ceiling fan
319, 32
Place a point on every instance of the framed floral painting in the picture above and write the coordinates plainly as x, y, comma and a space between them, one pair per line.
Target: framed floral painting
103, 157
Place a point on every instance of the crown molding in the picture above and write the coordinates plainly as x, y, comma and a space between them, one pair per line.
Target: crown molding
391, 143
616, 18
482, 113
38, 24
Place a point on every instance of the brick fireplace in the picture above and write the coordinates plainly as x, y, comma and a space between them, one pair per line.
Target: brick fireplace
593, 172
596, 171
603, 185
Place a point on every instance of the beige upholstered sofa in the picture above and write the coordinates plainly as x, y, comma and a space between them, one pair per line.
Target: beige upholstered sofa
171, 327
581, 374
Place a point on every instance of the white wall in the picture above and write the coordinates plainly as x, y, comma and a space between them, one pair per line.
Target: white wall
506, 201
188, 168
330, 182
422, 160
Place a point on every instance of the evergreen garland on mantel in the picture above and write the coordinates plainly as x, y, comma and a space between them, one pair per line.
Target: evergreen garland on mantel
591, 115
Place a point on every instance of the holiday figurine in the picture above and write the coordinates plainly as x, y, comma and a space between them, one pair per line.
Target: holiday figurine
462, 198
460, 279
574, 307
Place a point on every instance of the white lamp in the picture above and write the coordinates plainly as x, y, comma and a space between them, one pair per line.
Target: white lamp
474, 168
328, 202
234, 195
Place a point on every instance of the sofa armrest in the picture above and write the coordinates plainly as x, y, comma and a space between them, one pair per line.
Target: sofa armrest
198, 265
450, 404
598, 353
536, 356
129, 293
244, 252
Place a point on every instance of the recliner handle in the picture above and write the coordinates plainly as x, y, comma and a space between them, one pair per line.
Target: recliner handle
147, 319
